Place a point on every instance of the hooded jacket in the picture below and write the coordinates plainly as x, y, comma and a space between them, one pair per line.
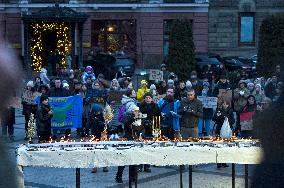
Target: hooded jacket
128, 102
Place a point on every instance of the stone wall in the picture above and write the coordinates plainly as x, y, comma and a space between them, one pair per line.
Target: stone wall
224, 24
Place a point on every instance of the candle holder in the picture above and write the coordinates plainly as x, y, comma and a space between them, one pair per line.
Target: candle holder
156, 127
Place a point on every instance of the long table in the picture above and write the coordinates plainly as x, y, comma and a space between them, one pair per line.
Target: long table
89, 155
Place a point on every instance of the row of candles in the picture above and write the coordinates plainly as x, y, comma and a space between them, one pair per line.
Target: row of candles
156, 123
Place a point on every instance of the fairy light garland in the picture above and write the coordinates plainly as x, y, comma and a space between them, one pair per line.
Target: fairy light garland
63, 42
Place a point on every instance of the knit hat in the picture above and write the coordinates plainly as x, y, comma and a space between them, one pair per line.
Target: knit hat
152, 86
148, 95
133, 107
30, 84
206, 84
171, 82
188, 83
65, 85
163, 65
43, 97
143, 82
250, 84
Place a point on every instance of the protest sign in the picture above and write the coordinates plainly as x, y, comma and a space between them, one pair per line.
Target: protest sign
156, 74
30, 97
67, 111
226, 95
208, 102
97, 95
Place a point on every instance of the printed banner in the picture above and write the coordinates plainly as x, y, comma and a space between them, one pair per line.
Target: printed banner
30, 97
208, 102
156, 74
67, 111
97, 96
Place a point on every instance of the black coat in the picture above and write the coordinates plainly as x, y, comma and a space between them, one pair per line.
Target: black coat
8, 116
219, 118
151, 110
59, 92
131, 132
44, 119
221, 85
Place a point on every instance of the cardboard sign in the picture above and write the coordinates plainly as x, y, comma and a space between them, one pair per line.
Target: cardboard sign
156, 74
30, 97
226, 95
208, 102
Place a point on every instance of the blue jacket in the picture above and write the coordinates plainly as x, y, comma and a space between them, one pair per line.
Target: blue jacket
175, 118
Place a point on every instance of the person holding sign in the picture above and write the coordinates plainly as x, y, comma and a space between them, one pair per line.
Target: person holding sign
207, 112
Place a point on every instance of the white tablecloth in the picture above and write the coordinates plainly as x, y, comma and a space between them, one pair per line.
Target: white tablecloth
160, 156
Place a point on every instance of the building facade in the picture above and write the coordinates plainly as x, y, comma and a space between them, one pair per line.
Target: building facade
140, 28
234, 25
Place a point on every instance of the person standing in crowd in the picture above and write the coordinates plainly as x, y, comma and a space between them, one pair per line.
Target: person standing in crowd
180, 92
8, 121
44, 116
141, 92
149, 107
120, 73
223, 83
133, 129
246, 115
166, 73
37, 83
171, 84
240, 95
250, 87
43, 89
89, 72
222, 112
191, 109
188, 85
258, 94
102, 81
162, 87
29, 107
96, 124
43, 76
59, 91
270, 88
170, 121
207, 112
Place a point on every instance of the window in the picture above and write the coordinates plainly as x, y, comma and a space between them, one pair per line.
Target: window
246, 29
114, 35
167, 29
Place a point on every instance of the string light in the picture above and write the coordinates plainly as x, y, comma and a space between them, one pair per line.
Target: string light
63, 44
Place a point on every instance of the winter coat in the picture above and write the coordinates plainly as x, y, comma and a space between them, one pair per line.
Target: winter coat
59, 92
221, 85
270, 90
220, 118
151, 110
8, 116
141, 92
44, 119
131, 131
128, 101
240, 100
96, 122
43, 76
165, 107
180, 93
194, 110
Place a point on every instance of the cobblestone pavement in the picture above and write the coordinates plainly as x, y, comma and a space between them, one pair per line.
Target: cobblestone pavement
203, 175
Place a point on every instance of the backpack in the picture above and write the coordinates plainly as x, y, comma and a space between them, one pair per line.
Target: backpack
121, 113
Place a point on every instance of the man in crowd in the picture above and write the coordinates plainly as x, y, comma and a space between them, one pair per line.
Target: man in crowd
191, 109
170, 118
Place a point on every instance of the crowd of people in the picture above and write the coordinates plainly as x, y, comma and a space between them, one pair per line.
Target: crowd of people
175, 101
